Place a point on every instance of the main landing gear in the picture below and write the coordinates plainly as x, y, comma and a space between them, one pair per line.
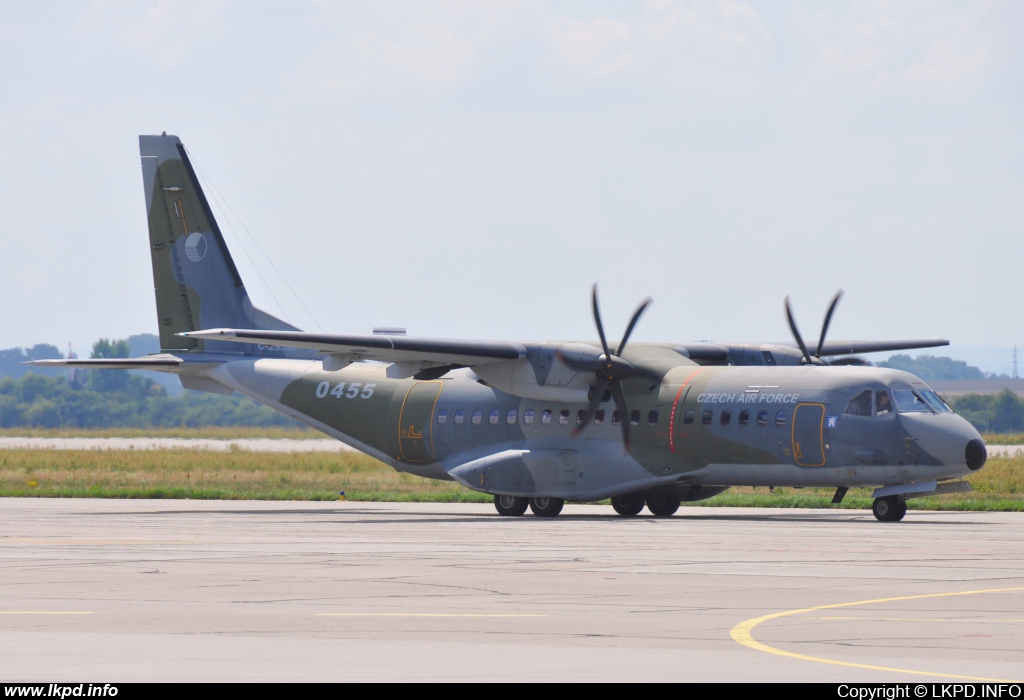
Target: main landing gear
542, 506
890, 509
629, 505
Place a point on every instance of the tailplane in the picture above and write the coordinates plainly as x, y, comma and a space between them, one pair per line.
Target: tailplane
196, 282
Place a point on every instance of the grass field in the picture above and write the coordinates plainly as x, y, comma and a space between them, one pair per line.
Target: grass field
213, 433
320, 476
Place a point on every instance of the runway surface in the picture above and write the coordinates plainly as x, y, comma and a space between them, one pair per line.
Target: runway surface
106, 590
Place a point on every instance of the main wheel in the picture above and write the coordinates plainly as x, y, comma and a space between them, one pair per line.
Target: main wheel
662, 506
545, 506
629, 504
510, 505
890, 509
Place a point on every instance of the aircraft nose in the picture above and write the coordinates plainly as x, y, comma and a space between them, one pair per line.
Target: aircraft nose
948, 438
975, 454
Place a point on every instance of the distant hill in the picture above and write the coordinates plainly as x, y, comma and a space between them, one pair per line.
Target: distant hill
934, 369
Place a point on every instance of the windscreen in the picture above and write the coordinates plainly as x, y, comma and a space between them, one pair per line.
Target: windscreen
909, 402
933, 400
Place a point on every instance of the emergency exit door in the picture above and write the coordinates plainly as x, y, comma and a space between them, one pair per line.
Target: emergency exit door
808, 435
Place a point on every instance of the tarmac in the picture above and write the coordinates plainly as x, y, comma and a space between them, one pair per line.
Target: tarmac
157, 590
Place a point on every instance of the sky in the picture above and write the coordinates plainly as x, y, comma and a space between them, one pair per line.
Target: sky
470, 169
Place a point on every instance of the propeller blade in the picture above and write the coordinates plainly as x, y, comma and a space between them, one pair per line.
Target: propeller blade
602, 386
796, 333
597, 320
828, 319
632, 322
620, 406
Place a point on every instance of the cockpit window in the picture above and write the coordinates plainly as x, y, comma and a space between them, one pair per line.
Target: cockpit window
861, 404
933, 400
909, 402
882, 403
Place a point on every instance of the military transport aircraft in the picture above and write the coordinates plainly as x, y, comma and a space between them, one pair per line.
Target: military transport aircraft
540, 423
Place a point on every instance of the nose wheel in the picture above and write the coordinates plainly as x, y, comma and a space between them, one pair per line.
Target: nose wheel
890, 509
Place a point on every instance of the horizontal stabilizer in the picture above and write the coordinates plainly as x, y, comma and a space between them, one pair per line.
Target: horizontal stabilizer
153, 362
376, 347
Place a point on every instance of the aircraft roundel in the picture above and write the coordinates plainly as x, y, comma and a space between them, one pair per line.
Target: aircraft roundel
195, 246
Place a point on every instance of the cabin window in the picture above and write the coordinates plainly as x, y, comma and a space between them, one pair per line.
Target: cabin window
616, 418
744, 417
493, 418
705, 417
762, 418
634, 417
563, 417
688, 417
579, 417
725, 417
545, 417
478, 416
528, 416
652, 418
460, 417
780, 418
510, 417
860, 405
599, 418
442, 416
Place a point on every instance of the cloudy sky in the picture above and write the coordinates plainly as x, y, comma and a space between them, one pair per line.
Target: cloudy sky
469, 169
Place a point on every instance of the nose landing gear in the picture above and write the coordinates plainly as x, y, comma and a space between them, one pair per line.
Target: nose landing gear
890, 509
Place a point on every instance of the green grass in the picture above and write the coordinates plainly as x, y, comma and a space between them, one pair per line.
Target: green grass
201, 474
212, 433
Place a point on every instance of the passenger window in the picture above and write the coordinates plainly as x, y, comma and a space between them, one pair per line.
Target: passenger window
616, 418
744, 417
545, 417
860, 405
652, 418
634, 417
688, 417
460, 417
510, 417
599, 418
563, 417
579, 417
882, 403
780, 418
705, 418
725, 417
493, 418
478, 416
528, 417
762, 418
442, 416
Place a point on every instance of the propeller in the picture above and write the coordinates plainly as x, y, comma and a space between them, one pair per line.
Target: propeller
816, 358
610, 368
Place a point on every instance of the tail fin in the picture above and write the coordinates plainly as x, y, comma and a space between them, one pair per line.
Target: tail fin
197, 284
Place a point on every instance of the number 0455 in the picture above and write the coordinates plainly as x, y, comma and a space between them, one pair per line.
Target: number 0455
354, 390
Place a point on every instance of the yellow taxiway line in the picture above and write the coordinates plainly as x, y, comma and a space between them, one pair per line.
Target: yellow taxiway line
743, 633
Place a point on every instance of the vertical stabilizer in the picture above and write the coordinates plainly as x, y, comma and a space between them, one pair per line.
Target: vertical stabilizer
197, 284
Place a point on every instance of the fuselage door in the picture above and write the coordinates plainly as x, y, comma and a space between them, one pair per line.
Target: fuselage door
416, 422
808, 429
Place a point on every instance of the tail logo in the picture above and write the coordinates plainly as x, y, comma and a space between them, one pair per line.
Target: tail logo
195, 246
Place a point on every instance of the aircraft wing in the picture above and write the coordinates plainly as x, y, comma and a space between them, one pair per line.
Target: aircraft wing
155, 362
376, 347
854, 347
